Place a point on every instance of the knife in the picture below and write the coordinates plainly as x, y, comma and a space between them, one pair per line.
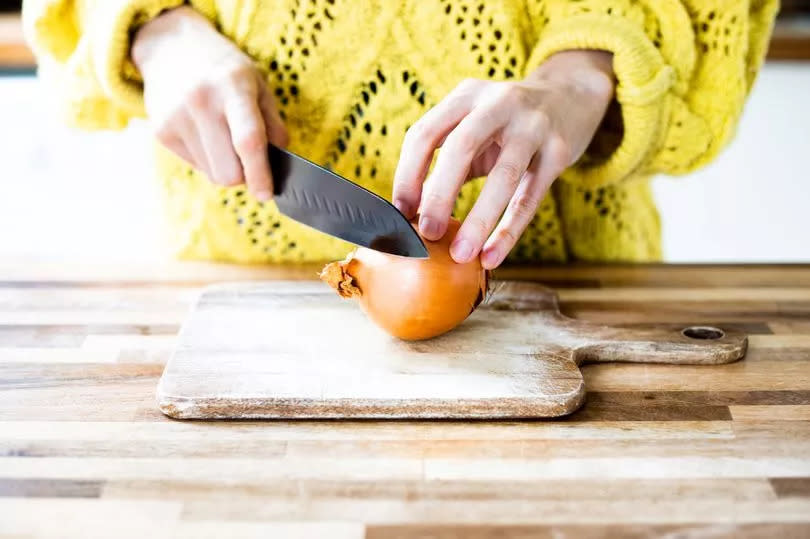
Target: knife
325, 201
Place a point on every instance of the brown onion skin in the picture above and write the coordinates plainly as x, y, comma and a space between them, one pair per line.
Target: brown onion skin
416, 299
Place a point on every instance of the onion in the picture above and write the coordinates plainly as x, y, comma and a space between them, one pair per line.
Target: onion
411, 298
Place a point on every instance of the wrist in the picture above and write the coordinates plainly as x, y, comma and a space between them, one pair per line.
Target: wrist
585, 71
170, 27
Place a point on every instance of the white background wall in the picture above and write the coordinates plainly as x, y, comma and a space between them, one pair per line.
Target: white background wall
92, 195
753, 202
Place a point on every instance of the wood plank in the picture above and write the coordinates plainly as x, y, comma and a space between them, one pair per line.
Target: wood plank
85, 375
790, 326
74, 335
697, 398
761, 370
791, 486
791, 445
799, 412
614, 468
154, 349
688, 314
777, 442
148, 298
685, 295
242, 470
49, 488
780, 341
29, 355
626, 531
77, 517
262, 530
98, 317
640, 439
596, 410
149, 306
481, 469
303, 490
124, 393
331, 431
198, 447
772, 431
146, 349
151, 341
726, 511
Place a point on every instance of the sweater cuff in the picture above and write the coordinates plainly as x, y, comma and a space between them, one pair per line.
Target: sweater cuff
644, 80
113, 24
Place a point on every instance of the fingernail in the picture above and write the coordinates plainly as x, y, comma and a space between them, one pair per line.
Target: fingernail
461, 250
263, 195
429, 228
490, 258
403, 207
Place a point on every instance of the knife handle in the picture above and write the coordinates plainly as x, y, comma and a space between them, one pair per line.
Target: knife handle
280, 168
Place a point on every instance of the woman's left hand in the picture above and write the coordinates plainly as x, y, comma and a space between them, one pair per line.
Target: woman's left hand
522, 135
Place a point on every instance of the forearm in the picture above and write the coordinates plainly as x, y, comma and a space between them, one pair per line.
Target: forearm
586, 77
589, 71
176, 26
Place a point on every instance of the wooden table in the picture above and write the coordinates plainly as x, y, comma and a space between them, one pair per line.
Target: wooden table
709, 451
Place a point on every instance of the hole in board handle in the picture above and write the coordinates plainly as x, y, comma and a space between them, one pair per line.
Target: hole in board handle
703, 333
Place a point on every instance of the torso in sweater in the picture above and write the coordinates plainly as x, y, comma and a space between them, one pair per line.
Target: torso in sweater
351, 77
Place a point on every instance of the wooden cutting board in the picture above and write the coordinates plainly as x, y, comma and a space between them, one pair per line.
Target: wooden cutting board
297, 350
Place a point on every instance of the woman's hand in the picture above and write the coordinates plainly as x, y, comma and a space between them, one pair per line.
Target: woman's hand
522, 135
207, 101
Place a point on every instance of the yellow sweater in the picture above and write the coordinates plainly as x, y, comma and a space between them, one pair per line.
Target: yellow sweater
350, 77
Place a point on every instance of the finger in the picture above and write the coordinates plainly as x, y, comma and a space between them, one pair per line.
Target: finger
176, 145
501, 184
249, 136
192, 142
274, 125
215, 137
440, 190
542, 172
484, 161
516, 218
179, 135
421, 140
191, 139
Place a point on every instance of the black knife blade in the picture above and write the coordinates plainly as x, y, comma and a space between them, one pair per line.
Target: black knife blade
325, 201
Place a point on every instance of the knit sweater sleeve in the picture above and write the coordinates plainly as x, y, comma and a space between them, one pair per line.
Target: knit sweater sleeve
82, 49
683, 69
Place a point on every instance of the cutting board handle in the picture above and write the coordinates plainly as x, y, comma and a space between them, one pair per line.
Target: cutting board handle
688, 345
594, 343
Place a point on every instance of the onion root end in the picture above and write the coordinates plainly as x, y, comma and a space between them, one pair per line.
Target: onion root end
336, 275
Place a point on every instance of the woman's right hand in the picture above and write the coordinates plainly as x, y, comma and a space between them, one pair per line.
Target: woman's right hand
208, 102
